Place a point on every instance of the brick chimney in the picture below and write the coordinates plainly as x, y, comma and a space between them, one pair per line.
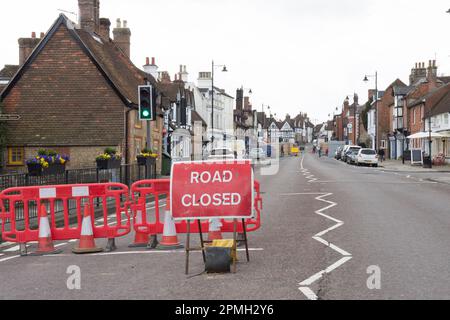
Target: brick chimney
239, 99
122, 37
152, 68
417, 73
432, 71
164, 77
247, 105
26, 47
105, 28
89, 15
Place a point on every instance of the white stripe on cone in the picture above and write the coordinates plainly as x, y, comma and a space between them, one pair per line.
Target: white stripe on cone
44, 228
169, 225
86, 228
215, 225
139, 217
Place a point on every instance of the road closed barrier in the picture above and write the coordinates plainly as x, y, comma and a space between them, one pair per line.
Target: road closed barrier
152, 194
108, 200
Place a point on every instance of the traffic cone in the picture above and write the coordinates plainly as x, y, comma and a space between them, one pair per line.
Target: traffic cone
140, 239
170, 237
215, 230
45, 242
87, 240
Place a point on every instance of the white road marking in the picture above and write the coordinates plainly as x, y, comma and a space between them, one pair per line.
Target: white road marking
1, 254
73, 240
8, 258
143, 253
61, 244
12, 249
309, 293
304, 286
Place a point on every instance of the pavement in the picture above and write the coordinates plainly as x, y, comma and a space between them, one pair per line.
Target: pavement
328, 230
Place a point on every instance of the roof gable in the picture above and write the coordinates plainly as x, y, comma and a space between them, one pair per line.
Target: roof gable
118, 70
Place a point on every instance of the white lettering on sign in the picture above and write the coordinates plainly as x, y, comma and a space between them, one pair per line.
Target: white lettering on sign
208, 177
217, 200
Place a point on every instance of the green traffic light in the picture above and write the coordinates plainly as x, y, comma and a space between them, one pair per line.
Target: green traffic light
146, 113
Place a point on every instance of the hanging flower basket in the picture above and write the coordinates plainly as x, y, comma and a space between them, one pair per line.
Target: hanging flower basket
146, 157
110, 159
108, 164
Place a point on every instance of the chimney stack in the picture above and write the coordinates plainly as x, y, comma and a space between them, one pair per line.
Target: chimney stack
26, 47
122, 37
239, 99
432, 70
89, 15
184, 75
151, 69
105, 28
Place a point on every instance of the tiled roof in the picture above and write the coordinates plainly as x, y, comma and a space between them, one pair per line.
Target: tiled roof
117, 68
8, 71
440, 101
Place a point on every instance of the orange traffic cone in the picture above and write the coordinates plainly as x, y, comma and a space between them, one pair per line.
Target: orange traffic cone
215, 230
87, 240
141, 239
45, 242
170, 237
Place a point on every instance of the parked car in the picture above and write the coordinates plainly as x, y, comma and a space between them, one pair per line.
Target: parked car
222, 154
367, 157
352, 156
347, 149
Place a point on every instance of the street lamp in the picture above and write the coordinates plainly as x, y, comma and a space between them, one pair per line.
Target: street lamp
366, 79
212, 98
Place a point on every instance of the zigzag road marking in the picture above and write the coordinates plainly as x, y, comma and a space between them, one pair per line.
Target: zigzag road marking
305, 285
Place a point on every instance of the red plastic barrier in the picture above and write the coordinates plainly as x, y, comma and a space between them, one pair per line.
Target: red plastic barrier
109, 199
155, 190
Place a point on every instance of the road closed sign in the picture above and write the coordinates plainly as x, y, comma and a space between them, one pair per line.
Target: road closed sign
205, 190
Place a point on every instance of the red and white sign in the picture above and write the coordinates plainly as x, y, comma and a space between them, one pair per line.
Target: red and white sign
206, 190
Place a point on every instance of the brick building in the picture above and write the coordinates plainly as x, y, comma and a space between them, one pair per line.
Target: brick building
76, 92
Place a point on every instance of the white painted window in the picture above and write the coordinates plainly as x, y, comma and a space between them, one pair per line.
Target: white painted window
446, 118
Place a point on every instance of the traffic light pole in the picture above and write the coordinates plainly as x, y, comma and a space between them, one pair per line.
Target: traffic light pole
149, 129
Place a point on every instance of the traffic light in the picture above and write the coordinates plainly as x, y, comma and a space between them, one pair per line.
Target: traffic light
146, 103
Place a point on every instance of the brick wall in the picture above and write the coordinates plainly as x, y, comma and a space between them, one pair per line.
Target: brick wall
64, 100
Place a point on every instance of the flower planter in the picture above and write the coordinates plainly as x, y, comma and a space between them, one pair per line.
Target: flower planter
54, 169
108, 164
34, 169
145, 161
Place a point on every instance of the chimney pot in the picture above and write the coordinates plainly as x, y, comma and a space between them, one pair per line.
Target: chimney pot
153, 61
147, 61
33, 35
118, 23
42, 35
125, 23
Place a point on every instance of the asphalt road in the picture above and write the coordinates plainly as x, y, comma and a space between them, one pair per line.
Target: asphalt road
359, 218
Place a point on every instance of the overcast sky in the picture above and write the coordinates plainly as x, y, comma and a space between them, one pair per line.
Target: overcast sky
296, 55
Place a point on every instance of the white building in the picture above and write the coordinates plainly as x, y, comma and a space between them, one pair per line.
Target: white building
223, 109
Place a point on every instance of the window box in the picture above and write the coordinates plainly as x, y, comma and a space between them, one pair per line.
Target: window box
36, 169
108, 164
145, 161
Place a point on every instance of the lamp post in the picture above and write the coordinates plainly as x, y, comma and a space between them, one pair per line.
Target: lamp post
212, 98
430, 142
366, 79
